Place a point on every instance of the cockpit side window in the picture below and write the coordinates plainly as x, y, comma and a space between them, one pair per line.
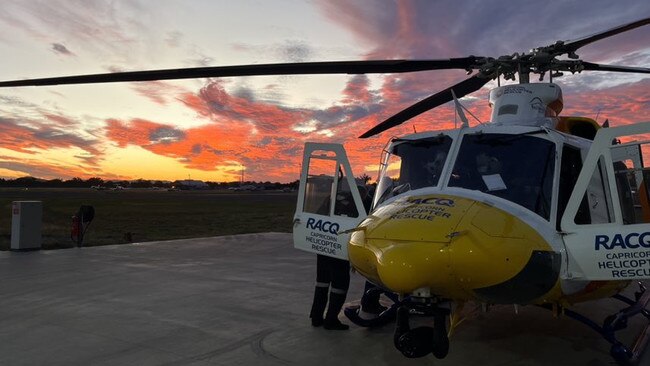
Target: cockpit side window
518, 168
570, 168
422, 161
412, 164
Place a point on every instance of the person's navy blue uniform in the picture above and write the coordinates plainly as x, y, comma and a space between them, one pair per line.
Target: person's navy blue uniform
333, 276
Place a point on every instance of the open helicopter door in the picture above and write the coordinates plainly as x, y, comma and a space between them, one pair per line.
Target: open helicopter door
606, 224
329, 201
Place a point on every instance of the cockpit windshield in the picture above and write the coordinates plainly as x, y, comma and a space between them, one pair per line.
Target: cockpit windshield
518, 168
412, 164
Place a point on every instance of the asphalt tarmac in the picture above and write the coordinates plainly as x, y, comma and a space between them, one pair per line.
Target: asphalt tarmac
238, 300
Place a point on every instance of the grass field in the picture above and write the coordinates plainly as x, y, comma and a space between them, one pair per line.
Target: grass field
136, 215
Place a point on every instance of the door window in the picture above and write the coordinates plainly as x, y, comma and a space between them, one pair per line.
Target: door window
631, 176
319, 188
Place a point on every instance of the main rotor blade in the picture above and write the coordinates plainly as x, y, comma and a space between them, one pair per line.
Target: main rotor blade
461, 89
331, 67
574, 45
599, 67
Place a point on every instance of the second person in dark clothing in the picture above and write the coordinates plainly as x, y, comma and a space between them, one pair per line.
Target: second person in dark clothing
333, 276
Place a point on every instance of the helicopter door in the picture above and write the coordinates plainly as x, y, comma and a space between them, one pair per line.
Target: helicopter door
606, 224
329, 201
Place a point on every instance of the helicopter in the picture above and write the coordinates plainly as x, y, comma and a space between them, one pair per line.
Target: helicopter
532, 208
459, 216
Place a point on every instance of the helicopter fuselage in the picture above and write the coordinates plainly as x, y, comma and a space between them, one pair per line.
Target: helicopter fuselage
475, 214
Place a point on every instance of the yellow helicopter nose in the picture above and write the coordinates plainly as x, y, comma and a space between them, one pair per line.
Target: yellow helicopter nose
453, 247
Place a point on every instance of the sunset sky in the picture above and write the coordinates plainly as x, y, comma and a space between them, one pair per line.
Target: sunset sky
211, 129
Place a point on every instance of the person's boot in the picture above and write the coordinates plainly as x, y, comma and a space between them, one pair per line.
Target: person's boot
331, 321
370, 306
318, 306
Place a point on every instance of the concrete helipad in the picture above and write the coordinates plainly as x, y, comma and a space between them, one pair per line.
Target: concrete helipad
235, 300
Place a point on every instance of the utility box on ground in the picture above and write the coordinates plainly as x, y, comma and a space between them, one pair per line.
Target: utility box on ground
26, 223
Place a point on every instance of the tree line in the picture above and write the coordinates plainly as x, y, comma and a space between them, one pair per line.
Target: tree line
97, 182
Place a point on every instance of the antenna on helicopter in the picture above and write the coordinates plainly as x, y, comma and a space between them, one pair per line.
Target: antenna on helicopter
459, 110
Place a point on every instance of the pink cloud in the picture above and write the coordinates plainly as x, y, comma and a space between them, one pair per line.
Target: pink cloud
622, 104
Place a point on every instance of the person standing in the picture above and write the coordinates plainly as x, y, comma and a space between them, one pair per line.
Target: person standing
333, 277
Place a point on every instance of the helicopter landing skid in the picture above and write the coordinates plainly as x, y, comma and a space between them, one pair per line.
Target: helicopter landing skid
381, 317
355, 315
622, 354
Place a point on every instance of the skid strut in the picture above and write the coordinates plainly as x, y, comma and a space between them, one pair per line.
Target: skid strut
615, 322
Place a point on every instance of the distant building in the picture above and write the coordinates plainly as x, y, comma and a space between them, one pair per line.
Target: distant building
189, 184
247, 187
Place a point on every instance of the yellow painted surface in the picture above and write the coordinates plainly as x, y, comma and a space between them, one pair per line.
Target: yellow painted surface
494, 247
422, 218
465, 245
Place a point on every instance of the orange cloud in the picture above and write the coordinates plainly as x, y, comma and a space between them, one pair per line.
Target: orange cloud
36, 167
264, 138
26, 139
